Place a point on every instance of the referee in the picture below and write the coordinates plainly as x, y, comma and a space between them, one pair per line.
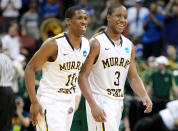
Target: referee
6, 93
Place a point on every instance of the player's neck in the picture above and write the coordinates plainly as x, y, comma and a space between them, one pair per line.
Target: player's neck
74, 40
112, 35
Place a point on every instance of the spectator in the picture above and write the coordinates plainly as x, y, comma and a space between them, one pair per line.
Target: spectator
30, 21
161, 6
171, 23
6, 93
138, 47
135, 18
160, 84
11, 42
173, 64
153, 24
18, 79
20, 120
104, 12
50, 9
165, 120
10, 11
150, 69
84, 4
172, 57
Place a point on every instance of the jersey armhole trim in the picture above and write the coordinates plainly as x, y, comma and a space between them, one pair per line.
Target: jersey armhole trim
98, 54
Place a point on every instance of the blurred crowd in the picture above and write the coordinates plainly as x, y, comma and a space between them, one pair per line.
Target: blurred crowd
152, 27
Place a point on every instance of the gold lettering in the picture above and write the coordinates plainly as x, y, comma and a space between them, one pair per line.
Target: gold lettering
111, 61
78, 65
121, 62
114, 92
70, 65
126, 63
73, 65
116, 61
105, 63
62, 67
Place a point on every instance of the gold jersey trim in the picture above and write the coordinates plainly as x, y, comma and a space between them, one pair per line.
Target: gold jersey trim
59, 36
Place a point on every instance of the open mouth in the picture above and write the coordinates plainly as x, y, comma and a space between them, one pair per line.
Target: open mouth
83, 27
121, 25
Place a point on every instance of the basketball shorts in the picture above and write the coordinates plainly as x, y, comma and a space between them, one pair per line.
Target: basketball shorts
57, 115
113, 109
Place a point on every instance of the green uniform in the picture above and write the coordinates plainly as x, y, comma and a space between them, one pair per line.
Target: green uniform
161, 84
79, 122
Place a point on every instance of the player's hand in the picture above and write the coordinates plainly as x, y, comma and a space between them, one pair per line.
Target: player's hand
148, 103
35, 109
127, 129
176, 121
98, 113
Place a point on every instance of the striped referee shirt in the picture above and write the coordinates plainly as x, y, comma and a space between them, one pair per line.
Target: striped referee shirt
6, 71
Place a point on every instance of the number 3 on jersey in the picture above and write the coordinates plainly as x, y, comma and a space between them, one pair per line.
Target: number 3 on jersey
117, 74
72, 79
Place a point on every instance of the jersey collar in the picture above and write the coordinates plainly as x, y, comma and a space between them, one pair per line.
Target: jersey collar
121, 41
70, 42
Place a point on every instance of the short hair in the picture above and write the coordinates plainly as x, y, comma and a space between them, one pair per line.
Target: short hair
14, 23
112, 8
70, 12
32, 5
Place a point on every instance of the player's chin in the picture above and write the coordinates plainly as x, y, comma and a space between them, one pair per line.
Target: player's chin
81, 32
120, 30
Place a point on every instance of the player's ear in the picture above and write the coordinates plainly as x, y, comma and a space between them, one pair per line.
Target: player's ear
68, 21
108, 17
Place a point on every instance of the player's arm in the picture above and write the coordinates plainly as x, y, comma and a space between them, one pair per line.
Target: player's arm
85, 71
48, 49
137, 84
97, 112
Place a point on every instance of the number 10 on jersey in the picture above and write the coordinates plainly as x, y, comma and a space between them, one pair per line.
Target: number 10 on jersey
72, 79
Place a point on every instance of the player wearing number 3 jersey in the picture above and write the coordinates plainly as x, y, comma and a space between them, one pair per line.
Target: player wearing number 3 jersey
61, 58
103, 74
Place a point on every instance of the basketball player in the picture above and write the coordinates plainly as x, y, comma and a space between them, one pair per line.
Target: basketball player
61, 58
103, 74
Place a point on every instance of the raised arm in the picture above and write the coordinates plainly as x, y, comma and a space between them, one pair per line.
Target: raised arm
47, 50
158, 23
97, 112
137, 84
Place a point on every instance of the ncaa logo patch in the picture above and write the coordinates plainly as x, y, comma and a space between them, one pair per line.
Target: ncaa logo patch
127, 50
84, 53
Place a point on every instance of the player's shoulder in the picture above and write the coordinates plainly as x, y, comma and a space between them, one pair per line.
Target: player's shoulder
49, 43
60, 35
126, 40
98, 34
94, 43
85, 39
85, 42
5, 37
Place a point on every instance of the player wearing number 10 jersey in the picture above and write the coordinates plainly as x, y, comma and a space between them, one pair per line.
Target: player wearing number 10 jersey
61, 58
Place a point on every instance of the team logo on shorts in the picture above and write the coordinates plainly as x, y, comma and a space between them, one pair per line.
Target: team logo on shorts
84, 53
127, 50
70, 110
